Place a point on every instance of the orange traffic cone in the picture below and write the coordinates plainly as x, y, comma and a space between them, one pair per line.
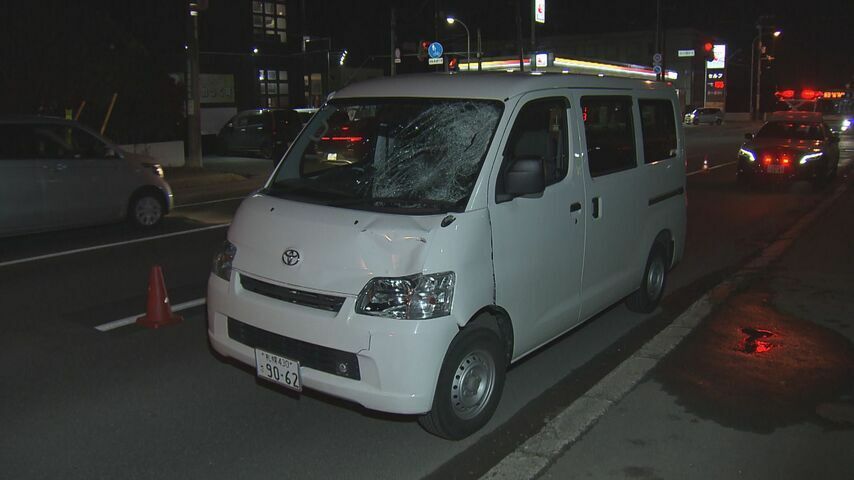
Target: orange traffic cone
158, 312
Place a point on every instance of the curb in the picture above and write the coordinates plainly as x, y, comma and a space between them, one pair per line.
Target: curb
532, 458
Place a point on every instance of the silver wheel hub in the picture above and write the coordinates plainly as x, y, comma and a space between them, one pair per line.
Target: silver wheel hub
148, 211
473, 383
655, 279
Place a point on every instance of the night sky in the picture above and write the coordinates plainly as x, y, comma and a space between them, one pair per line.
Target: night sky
815, 49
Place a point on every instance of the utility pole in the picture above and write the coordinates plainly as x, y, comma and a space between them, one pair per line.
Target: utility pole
758, 70
194, 121
519, 37
393, 40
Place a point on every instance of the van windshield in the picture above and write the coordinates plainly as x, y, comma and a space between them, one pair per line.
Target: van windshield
393, 155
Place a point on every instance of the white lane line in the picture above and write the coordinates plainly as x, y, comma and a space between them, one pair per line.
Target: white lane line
109, 245
106, 327
709, 169
209, 202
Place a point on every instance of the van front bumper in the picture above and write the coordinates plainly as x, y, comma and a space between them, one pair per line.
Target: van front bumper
398, 360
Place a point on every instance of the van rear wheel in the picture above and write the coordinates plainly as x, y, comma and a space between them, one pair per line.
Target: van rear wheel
469, 386
145, 209
646, 298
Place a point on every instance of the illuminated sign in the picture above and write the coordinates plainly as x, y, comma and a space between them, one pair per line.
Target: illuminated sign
540, 11
720, 57
685, 53
542, 59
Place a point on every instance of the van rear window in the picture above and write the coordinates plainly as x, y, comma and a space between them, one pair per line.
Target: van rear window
659, 130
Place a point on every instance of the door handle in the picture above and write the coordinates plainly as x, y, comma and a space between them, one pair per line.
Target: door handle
576, 206
595, 207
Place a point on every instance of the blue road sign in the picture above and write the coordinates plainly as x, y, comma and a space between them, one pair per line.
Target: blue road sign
435, 50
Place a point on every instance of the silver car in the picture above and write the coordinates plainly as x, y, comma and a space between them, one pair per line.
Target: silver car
57, 173
705, 115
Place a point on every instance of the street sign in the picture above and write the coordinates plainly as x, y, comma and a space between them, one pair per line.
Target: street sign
685, 53
540, 11
656, 58
435, 61
396, 55
435, 50
656, 69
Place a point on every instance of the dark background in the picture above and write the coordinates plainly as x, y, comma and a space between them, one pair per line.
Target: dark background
57, 53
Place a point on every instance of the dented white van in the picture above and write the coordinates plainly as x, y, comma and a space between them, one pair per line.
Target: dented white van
424, 232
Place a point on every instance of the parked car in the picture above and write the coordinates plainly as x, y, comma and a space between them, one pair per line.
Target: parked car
266, 132
56, 173
705, 115
790, 146
407, 278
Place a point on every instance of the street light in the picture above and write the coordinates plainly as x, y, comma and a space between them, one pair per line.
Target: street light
754, 110
451, 21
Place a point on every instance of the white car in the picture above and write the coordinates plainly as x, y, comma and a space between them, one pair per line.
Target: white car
705, 115
488, 215
56, 173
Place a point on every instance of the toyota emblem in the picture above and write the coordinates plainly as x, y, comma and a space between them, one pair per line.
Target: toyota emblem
290, 257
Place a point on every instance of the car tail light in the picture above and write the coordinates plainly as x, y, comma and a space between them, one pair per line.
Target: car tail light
767, 159
785, 160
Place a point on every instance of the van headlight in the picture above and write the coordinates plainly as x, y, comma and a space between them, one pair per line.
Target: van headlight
222, 261
415, 297
846, 124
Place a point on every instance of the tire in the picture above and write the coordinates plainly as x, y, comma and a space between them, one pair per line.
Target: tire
145, 209
267, 151
646, 298
470, 383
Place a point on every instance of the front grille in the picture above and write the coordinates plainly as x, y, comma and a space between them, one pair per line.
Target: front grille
325, 359
299, 297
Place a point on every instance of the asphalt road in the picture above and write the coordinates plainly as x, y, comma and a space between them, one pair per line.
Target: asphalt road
135, 403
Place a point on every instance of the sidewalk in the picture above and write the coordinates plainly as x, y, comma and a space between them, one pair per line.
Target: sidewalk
761, 387
219, 177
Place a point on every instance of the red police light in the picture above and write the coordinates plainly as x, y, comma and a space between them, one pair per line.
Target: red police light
719, 84
708, 47
786, 94
808, 94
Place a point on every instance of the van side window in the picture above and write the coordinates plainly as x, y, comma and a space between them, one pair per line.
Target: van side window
659, 130
610, 134
539, 131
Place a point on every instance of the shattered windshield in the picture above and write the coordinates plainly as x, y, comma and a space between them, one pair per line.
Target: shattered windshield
412, 155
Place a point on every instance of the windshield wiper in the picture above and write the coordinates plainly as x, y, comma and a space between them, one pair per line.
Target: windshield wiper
391, 203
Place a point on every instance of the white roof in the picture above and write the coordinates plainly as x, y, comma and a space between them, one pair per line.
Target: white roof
487, 85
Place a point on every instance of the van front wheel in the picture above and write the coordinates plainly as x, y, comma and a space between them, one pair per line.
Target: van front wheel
469, 386
646, 298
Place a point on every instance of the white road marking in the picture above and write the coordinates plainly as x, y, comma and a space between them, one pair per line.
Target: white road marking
209, 202
709, 169
532, 458
109, 245
106, 327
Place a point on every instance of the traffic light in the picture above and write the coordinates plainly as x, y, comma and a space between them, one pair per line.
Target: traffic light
708, 51
453, 65
422, 50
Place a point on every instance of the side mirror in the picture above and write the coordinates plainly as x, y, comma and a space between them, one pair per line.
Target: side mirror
748, 136
525, 176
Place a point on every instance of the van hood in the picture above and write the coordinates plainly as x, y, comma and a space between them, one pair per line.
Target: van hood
338, 249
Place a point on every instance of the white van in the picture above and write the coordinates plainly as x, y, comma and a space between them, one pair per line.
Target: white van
423, 232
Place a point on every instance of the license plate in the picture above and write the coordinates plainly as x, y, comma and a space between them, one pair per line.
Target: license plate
776, 169
278, 369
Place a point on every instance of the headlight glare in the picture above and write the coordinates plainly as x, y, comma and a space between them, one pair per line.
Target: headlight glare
810, 156
747, 154
415, 297
221, 266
